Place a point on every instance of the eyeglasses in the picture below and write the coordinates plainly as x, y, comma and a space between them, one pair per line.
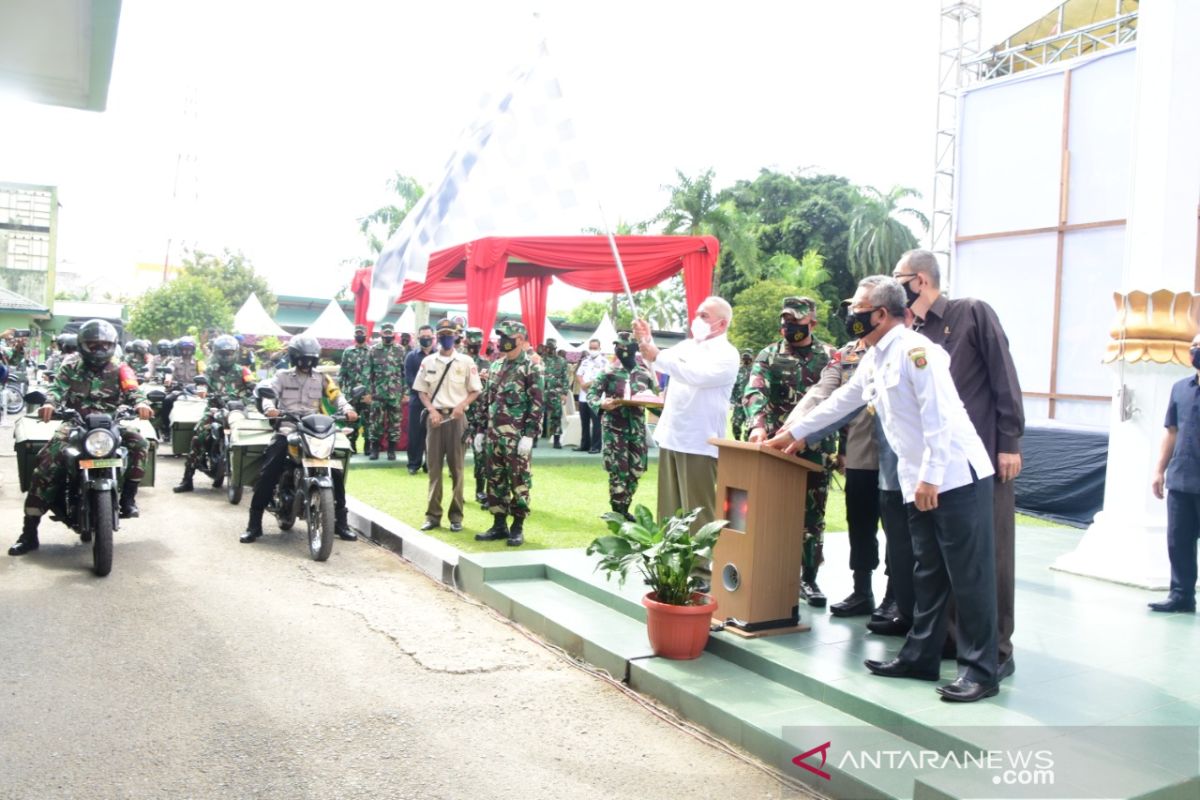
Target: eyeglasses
899, 275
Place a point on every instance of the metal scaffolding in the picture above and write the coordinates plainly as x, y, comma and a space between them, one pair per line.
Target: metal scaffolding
957, 44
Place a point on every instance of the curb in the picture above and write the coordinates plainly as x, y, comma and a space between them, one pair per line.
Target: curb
435, 558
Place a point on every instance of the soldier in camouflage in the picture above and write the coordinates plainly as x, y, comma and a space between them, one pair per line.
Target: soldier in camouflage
514, 418
477, 413
95, 384
68, 345
354, 372
387, 391
554, 367
781, 374
137, 355
227, 380
624, 436
739, 388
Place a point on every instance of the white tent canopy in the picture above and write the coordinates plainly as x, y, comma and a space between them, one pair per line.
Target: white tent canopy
551, 332
407, 323
606, 333
332, 324
254, 320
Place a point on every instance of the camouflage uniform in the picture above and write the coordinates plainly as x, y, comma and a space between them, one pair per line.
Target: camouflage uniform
624, 437
387, 392
355, 371
735, 397
514, 409
88, 391
234, 382
555, 369
477, 413
781, 373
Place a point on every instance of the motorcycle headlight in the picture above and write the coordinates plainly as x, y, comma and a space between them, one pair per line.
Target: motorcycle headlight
99, 443
320, 448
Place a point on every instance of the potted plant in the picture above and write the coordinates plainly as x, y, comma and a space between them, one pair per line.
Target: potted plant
666, 553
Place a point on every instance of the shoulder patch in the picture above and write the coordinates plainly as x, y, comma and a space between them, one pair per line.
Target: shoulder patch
917, 354
128, 378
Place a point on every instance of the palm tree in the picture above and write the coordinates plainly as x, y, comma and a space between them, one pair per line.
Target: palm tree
390, 216
808, 271
694, 210
664, 306
878, 237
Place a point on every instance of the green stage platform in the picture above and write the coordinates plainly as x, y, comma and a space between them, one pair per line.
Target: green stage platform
1088, 654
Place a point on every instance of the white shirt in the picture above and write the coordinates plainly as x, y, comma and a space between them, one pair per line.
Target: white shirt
697, 400
906, 379
591, 366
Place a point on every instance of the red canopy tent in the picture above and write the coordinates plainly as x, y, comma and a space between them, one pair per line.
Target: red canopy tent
479, 272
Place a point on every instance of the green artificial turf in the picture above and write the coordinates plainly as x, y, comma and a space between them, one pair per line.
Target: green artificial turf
567, 501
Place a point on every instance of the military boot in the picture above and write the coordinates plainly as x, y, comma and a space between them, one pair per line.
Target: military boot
516, 534
622, 509
480, 493
28, 540
558, 441
341, 527
353, 437
253, 527
498, 531
374, 451
809, 591
185, 485
128, 505
391, 451
861, 601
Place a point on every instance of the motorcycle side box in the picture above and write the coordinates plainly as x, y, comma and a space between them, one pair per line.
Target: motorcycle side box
248, 442
30, 435
146, 429
184, 415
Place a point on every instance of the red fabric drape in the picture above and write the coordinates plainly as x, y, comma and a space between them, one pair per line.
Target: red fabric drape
533, 307
476, 271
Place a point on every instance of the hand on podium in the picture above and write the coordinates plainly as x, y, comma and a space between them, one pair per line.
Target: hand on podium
784, 441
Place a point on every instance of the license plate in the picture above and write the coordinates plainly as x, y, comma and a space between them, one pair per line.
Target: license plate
100, 463
316, 462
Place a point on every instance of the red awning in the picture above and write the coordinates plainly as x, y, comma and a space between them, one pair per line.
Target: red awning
478, 273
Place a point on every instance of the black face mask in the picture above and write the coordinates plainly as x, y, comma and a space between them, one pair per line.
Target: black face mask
911, 296
472, 348
795, 332
507, 345
1196, 359
628, 360
425, 341
747, 362
358, 337
388, 340
858, 323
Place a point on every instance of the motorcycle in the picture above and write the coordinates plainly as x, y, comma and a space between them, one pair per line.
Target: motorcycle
314, 450
95, 459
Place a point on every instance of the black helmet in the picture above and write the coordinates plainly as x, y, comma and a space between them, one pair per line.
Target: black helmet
97, 342
67, 343
137, 347
163, 347
225, 350
186, 345
304, 351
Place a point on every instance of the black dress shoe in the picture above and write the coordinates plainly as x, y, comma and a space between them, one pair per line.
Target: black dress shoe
896, 626
964, 690
594, 452
346, 534
1007, 668
899, 669
24, 545
856, 605
455, 527
429, 525
1173, 604
887, 610
250, 535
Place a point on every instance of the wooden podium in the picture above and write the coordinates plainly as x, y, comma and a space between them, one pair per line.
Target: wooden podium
757, 560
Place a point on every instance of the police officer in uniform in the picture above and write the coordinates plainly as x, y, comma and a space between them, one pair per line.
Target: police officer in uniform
781, 374
386, 393
514, 419
298, 390
355, 371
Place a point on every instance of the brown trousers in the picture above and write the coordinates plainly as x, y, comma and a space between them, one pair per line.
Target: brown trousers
444, 443
685, 481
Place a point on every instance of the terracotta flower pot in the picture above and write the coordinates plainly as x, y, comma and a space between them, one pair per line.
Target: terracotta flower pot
678, 632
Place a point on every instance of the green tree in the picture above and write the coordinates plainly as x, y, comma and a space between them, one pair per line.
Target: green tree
590, 312
756, 315
696, 209
188, 304
380, 224
665, 305
878, 237
232, 275
806, 271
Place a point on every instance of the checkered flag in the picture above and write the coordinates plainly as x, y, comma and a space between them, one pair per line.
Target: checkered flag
515, 172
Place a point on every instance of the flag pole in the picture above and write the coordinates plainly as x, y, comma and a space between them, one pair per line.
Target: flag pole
612, 242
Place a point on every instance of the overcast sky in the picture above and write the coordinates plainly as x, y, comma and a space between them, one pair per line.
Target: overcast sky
291, 115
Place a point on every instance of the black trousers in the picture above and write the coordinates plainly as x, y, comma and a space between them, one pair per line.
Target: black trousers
590, 437
862, 517
274, 462
955, 557
1183, 528
899, 550
416, 432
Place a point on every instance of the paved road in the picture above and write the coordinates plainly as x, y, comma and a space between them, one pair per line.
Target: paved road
203, 668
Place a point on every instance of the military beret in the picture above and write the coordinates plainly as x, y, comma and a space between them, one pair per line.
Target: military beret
799, 306
387, 327
511, 328
475, 335
447, 326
